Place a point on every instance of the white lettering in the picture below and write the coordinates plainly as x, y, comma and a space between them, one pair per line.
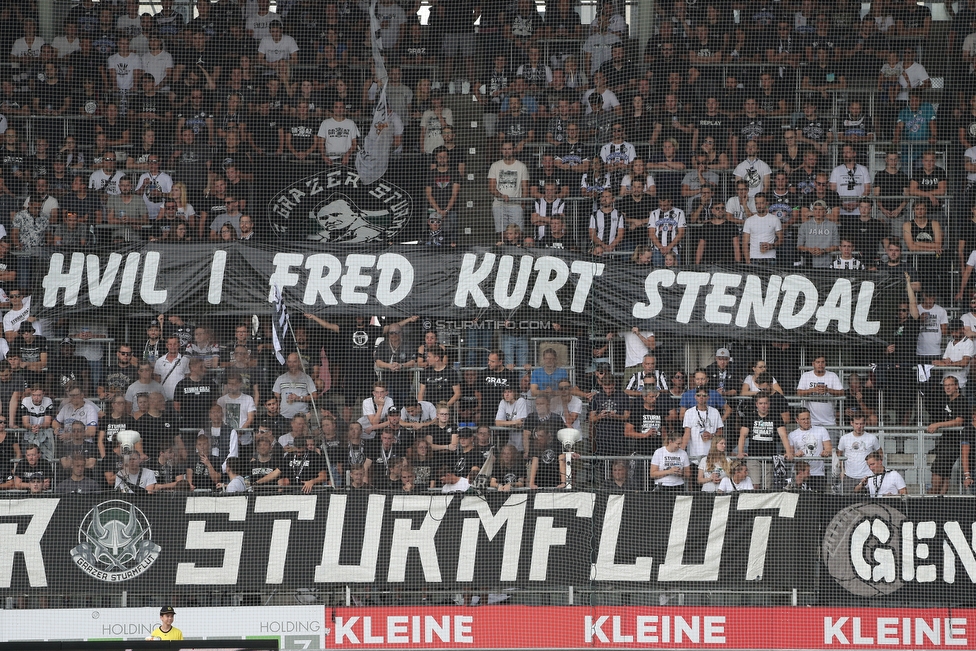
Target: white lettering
329, 570
674, 567
27, 543
304, 505
503, 278
389, 265
836, 307
323, 272
793, 287
693, 282
217, 268
406, 537
752, 302
197, 537
353, 279
649, 310
606, 567
470, 280
510, 515
717, 298
552, 275
548, 536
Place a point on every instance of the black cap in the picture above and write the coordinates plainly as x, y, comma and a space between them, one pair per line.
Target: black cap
152, 324
167, 610
393, 411
67, 341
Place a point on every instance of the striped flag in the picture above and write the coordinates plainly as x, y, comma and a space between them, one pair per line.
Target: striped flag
373, 156
279, 324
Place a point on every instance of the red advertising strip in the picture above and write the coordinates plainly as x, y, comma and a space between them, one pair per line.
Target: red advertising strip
578, 627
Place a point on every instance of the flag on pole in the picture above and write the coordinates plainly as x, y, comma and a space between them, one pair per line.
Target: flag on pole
373, 156
280, 324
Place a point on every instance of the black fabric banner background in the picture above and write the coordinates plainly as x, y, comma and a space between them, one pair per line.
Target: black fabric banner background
833, 547
746, 303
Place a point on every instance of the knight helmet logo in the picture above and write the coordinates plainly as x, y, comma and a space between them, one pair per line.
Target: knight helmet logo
115, 542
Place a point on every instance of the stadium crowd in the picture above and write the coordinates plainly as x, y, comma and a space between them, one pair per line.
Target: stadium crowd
789, 134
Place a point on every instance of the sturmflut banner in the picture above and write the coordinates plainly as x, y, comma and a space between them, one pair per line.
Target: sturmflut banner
468, 286
879, 551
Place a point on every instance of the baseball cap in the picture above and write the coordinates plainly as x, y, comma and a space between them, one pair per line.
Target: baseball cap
722, 352
67, 341
152, 324
819, 203
167, 610
393, 411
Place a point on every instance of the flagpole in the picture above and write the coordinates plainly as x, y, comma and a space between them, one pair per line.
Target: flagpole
281, 319
315, 410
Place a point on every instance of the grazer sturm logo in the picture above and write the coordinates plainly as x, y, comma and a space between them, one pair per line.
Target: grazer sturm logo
115, 542
335, 206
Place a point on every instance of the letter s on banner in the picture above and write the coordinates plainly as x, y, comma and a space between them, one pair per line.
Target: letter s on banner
649, 310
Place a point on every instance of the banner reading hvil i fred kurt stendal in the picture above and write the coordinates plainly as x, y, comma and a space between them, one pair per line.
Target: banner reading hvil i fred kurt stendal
880, 551
470, 287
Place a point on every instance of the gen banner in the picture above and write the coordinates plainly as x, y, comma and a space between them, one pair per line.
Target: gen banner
468, 287
882, 551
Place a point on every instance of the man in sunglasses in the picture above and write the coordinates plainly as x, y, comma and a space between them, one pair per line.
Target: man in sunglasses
438, 232
118, 375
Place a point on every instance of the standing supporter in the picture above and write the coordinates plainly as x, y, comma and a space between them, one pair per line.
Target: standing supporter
607, 228
811, 443
951, 409
609, 412
670, 466
818, 238
293, 388
850, 180
856, 446
762, 234
508, 181
820, 382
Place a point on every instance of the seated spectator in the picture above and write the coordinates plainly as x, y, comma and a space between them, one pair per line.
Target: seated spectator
266, 462
512, 413
738, 479
665, 230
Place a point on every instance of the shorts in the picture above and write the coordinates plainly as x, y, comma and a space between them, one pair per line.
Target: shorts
945, 459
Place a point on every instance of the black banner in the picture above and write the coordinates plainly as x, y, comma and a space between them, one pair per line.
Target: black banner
474, 288
109, 542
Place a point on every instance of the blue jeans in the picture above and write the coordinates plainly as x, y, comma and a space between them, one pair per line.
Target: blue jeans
478, 342
515, 350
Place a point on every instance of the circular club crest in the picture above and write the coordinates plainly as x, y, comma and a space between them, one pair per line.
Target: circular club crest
858, 546
336, 206
115, 542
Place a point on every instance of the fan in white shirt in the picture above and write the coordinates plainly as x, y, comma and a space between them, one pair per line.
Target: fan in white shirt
883, 482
